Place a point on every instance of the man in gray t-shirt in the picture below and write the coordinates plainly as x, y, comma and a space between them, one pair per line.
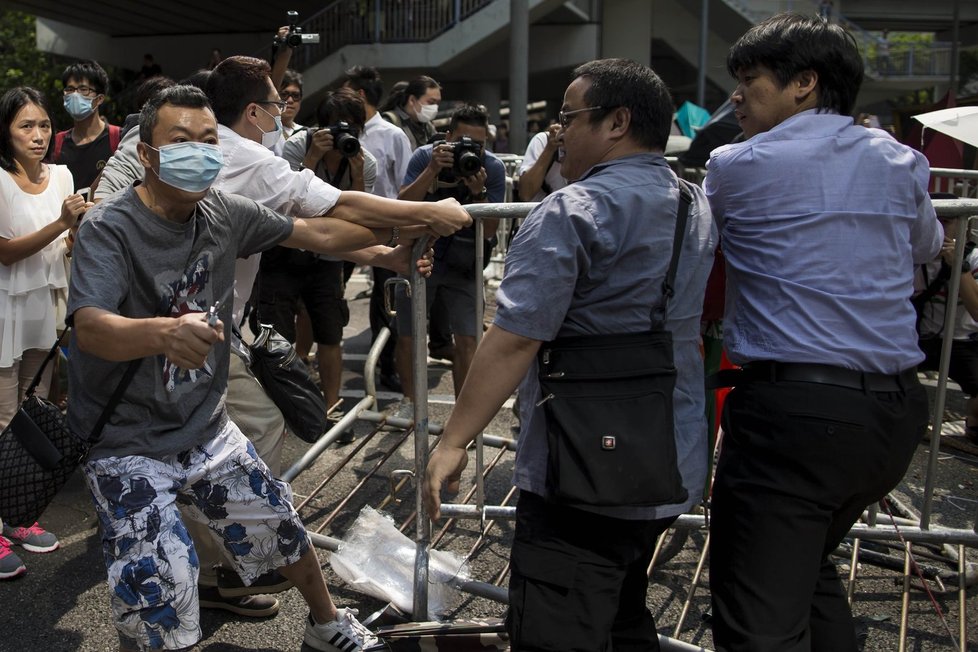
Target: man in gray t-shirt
153, 270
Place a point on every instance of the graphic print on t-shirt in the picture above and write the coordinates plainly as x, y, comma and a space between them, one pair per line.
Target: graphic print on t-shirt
185, 295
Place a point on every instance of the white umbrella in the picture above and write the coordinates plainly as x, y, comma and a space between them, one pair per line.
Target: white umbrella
960, 122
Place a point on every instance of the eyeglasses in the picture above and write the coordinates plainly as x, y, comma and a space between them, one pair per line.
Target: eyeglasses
84, 90
288, 95
280, 104
563, 117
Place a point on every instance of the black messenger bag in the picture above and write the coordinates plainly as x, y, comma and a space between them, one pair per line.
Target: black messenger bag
608, 401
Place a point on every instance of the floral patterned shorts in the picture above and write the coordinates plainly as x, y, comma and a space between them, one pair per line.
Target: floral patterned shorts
150, 558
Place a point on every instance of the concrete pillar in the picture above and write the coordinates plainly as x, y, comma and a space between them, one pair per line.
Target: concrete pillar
626, 30
519, 76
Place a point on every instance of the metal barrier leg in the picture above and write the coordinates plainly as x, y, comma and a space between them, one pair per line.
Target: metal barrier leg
905, 603
693, 586
962, 601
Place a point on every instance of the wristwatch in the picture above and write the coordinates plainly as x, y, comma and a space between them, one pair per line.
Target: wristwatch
483, 194
395, 235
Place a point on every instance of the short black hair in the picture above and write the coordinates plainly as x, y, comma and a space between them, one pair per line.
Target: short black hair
89, 70
366, 79
475, 115
198, 79
235, 83
789, 44
151, 87
291, 78
10, 104
623, 83
344, 105
396, 98
181, 95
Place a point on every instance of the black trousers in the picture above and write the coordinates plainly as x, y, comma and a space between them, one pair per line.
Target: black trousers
800, 461
578, 580
379, 318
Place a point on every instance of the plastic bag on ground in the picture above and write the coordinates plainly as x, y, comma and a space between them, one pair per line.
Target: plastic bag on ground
376, 559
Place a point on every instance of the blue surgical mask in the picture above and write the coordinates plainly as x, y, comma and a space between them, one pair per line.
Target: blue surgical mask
270, 138
78, 106
189, 166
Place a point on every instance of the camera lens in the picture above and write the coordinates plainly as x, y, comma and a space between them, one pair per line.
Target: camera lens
347, 145
468, 164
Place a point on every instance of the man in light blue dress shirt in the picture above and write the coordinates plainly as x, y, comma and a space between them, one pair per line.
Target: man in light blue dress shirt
821, 224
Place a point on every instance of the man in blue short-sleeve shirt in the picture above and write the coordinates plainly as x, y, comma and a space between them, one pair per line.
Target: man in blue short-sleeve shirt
821, 222
590, 259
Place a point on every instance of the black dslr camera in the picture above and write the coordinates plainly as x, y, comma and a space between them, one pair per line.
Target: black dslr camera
468, 156
344, 138
295, 37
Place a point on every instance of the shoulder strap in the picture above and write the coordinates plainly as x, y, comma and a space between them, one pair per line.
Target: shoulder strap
668, 287
59, 139
113, 401
115, 135
50, 356
120, 389
392, 117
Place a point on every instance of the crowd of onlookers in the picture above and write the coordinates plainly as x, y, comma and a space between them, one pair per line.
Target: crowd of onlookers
233, 129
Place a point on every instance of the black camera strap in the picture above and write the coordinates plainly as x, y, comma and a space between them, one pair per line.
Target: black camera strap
344, 168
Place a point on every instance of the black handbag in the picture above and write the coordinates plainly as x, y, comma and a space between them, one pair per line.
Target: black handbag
286, 380
608, 401
38, 453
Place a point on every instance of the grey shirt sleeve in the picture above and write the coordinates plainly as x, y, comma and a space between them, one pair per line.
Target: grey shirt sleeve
122, 168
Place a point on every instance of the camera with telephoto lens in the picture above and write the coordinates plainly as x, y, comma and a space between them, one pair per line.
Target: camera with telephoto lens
295, 37
468, 156
344, 139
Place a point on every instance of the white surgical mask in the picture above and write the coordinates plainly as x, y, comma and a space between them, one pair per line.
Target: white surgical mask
189, 166
270, 138
427, 112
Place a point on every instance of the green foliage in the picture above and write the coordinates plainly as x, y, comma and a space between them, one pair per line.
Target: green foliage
968, 71
22, 64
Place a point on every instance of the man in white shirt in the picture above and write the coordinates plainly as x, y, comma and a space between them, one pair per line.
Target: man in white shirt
248, 109
540, 168
392, 149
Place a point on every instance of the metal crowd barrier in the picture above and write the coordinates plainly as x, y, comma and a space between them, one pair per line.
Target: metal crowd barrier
897, 530
961, 183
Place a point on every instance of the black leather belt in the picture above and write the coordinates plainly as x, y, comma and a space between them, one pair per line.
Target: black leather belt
822, 374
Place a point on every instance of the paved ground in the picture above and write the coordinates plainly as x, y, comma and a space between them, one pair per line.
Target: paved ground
61, 603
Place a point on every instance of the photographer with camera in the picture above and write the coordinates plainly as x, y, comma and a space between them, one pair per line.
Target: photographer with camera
288, 275
460, 167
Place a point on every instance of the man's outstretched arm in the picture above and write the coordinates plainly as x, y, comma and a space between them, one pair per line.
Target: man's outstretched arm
497, 368
444, 217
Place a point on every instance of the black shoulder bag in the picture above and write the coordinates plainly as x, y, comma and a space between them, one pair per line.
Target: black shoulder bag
286, 380
38, 453
608, 401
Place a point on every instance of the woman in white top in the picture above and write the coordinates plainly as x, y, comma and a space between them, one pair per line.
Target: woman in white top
37, 208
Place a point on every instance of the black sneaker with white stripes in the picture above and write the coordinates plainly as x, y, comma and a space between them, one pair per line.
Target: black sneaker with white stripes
345, 634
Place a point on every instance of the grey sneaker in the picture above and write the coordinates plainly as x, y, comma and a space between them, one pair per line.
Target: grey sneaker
249, 606
33, 538
230, 585
405, 410
10, 564
345, 634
